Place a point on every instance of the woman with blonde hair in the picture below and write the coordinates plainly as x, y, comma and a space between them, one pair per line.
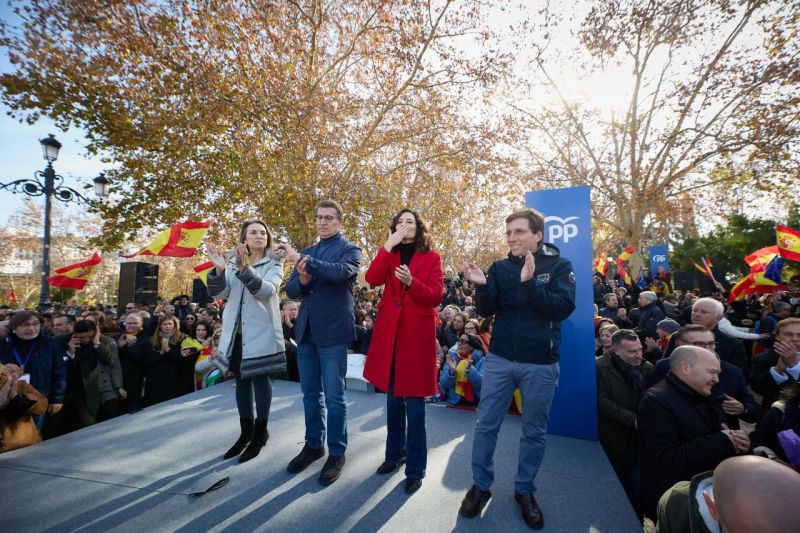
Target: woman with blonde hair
164, 362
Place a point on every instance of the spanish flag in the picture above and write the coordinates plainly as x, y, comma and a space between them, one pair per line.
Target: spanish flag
203, 270
601, 262
764, 255
74, 276
623, 274
180, 240
788, 243
625, 254
739, 290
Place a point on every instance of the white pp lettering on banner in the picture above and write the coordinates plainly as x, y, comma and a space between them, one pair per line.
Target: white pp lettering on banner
560, 228
659, 258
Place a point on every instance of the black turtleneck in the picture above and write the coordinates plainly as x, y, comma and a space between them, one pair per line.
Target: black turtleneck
406, 251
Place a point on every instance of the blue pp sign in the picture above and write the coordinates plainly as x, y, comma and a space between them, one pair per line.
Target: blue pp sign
659, 256
568, 226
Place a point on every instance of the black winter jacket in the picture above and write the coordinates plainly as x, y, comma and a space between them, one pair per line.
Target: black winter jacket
527, 325
680, 435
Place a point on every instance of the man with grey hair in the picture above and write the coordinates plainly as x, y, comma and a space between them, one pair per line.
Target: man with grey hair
650, 314
681, 430
708, 312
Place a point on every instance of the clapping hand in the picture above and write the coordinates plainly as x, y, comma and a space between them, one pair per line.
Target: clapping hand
242, 256
731, 406
788, 356
216, 258
739, 439
528, 268
291, 254
403, 274
473, 273
304, 275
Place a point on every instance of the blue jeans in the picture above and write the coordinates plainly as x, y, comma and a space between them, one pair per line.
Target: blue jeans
262, 385
537, 385
322, 372
414, 447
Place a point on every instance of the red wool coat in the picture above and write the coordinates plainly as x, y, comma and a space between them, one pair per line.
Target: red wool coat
405, 325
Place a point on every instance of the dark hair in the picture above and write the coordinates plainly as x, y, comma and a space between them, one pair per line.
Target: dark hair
209, 329
334, 204
246, 224
422, 239
70, 318
23, 316
474, 341
535, 218
680, 336
791, 394
623, 335
486, 325
83, 326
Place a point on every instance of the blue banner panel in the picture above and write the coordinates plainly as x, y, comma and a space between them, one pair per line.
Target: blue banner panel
659, 256
568, 225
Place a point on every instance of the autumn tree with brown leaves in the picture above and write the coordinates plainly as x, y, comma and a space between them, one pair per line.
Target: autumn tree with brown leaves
713, 90
263, 108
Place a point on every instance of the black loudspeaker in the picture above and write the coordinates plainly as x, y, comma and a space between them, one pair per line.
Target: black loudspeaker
200, 294
707, 286
683, 281
138, 282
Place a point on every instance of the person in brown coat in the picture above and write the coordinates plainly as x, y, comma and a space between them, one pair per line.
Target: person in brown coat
19, 401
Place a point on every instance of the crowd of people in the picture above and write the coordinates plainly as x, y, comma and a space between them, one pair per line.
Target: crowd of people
684, 381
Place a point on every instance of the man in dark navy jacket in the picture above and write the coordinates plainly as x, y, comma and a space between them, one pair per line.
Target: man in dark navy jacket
323, 280
529, 293
730, 392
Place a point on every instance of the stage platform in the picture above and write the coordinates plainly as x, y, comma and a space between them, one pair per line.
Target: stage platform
135, 473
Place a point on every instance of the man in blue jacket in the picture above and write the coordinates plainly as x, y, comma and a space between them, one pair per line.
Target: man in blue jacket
529, 293
323, 280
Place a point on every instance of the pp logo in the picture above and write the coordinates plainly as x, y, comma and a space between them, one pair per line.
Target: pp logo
659, 258
561, 228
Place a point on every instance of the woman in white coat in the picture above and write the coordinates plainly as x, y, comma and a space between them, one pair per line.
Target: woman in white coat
252, 336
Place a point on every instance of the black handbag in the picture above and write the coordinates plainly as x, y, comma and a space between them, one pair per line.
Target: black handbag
266, 364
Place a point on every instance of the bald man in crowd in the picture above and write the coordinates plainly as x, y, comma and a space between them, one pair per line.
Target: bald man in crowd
744, 494
681, 430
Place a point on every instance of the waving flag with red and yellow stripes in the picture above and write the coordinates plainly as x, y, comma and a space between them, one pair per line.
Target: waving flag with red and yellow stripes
74, 276
180, 240
202, 271
788, 243
601, 262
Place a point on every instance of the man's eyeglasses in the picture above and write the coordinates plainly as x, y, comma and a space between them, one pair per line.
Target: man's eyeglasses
707, 345
463, 341
519, 232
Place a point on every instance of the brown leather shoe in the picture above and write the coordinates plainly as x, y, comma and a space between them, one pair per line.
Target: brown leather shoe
531, 512
474, 501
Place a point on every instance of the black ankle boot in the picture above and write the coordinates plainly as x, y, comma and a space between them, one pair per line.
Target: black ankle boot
244, 438
260, 437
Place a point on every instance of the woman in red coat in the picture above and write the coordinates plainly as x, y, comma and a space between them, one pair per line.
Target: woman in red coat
402, 355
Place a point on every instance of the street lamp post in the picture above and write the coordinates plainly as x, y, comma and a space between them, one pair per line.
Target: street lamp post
49, 184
